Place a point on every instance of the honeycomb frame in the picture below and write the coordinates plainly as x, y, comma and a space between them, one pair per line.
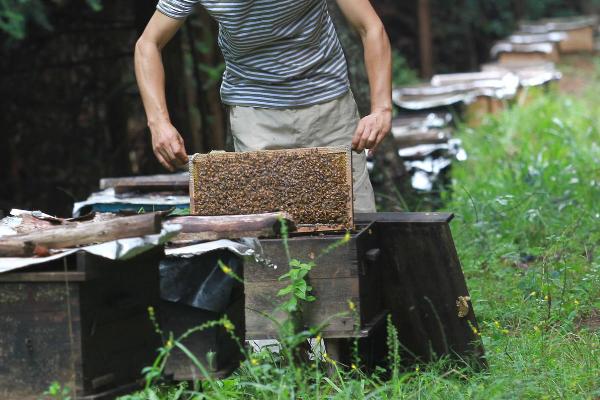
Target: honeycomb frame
314, 185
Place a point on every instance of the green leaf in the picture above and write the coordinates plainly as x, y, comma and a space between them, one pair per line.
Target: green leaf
284, 291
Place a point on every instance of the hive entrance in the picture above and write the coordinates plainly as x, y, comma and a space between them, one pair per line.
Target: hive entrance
313, 185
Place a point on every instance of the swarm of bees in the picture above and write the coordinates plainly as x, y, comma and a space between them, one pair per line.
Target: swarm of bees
313, 185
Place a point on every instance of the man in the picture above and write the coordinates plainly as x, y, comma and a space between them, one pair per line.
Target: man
285, 81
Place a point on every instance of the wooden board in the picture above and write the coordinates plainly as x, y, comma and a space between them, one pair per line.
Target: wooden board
528, 57
150, 183
314, 185
348, 273
197, 228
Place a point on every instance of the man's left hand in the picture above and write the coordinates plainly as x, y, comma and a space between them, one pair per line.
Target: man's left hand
371, 130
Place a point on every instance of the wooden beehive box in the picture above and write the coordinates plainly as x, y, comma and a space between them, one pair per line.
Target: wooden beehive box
578, 40
214, 348
82, 321
424, 288
314, 185
348, 273
527, 57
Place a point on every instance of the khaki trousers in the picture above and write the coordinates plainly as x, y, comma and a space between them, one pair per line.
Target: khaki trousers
322, 125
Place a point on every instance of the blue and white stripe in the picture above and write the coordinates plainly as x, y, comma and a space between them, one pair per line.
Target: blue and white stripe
278, 53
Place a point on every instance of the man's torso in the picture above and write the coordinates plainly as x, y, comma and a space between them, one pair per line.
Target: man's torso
278, 53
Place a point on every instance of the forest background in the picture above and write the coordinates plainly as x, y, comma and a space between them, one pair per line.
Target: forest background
71, 112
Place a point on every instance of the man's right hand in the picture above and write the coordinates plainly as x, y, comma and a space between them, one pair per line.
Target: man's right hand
168, 145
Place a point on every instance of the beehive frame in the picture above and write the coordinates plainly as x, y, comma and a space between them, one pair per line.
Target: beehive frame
270, 187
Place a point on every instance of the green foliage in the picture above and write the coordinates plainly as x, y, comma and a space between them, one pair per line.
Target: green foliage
58, 392
298, 290
401, 72
16, 14
465, 31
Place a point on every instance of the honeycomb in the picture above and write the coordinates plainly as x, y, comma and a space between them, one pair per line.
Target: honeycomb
313, 185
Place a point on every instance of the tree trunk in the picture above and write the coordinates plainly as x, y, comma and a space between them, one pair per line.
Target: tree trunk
425, 39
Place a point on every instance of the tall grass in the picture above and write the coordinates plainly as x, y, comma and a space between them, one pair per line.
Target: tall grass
528, 233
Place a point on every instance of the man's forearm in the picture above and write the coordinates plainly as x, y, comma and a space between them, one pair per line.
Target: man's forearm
150, 76
378, 61
167, 143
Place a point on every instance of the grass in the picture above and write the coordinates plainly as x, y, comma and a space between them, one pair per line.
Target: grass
528, 233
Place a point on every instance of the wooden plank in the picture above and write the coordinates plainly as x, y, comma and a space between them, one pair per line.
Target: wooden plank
232, 226
78, 234
332, 294
16, 248
314, 185
416, 137
55, 276
406, 217
339, 263
177, 182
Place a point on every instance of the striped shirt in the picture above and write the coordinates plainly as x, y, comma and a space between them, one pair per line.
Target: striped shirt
278, 53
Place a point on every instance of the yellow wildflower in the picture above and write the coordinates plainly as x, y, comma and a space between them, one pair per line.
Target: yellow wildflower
576, 302
417, 369
328, 359
351, 305
546, 298
228, 326
226, 269
497, 324
347, 237
353, 366
254, 361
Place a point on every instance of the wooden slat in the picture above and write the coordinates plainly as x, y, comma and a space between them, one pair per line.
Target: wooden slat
341, 262
232, 226
406, 217
178, 182
332, 295
78, 234
72, 276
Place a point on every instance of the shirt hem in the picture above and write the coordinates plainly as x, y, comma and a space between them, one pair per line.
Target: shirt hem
286, 105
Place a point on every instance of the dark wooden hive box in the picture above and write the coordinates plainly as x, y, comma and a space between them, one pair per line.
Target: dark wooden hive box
81, 321
422, 285
349, 273
214, 347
